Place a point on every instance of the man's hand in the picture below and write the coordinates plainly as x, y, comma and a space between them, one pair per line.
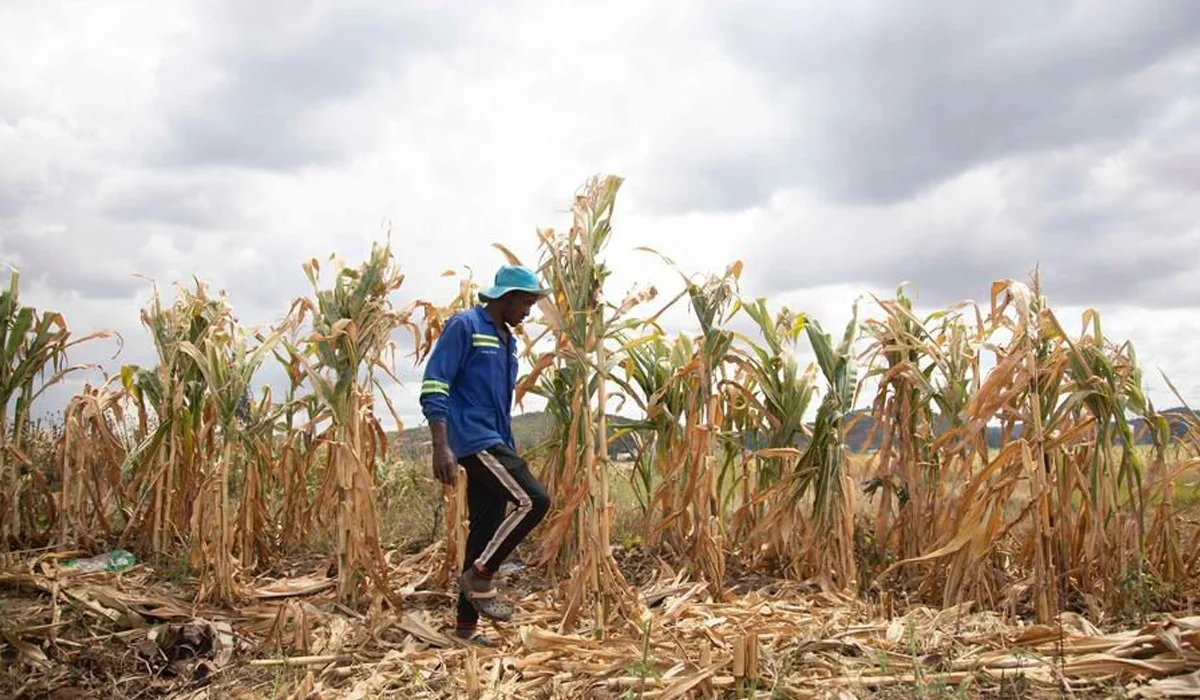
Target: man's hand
445, 467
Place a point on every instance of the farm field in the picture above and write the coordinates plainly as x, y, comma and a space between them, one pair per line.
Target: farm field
891, 520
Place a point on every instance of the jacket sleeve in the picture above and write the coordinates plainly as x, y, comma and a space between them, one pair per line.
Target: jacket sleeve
443, 368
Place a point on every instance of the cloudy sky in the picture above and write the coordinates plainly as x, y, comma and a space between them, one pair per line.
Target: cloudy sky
836, 148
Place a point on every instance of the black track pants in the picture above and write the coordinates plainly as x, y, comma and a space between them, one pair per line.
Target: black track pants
497, 477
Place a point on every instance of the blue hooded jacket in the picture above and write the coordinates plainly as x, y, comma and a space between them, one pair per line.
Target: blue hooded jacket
469, 383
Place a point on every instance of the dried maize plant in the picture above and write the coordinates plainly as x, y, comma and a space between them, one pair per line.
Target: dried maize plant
227, 537
165, 468
741, 425
561, 548
649, 365
292, 510
435, 317
821, 469
927, 369
1063, 491
1020, 393
259, 481
453, 497
1104, 544
741, 429
688, 486
258, 476
808, 518
1178, 435
776, 393
572, 377
352, 322
89, 453
34, 359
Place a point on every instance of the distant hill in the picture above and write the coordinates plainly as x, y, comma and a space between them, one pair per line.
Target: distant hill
862, 424
530, 429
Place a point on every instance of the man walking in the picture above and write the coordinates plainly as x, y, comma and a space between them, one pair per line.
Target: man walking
467, 397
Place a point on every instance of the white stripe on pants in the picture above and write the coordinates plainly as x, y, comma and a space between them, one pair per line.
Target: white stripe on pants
524, 505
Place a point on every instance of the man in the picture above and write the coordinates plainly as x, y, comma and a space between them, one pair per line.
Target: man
467, 396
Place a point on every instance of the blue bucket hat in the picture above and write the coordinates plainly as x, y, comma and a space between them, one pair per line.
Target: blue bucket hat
514, 278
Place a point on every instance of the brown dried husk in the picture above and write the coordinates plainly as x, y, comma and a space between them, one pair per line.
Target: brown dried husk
784, 637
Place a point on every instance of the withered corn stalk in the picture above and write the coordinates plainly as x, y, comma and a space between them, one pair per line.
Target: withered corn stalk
689, 490
172, 398
927, 370
224, 536
1065, 486
352, 322
33, 358
769, 396
573, 378
821, 469
292, 510
202, 445
649, 364
90, 453
453, 497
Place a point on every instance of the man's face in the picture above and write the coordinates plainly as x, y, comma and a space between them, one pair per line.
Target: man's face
517, 307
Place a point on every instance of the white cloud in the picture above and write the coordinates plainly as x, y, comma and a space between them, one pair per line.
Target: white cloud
235, 141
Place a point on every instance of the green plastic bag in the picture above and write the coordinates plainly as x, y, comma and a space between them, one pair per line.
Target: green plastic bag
116, 560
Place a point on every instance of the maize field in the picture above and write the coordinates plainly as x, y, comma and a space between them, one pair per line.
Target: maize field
1014, 519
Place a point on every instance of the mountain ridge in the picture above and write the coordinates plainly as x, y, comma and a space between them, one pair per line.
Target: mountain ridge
531, 428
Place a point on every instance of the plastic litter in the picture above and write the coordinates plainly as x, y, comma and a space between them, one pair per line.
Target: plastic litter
509, 568
116, 560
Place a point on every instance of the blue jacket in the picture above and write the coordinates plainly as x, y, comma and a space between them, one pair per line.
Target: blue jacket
469, 382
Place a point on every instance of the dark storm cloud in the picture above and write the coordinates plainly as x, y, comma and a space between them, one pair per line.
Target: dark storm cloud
257, 115
1087, 118
888, 99
1137, 242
